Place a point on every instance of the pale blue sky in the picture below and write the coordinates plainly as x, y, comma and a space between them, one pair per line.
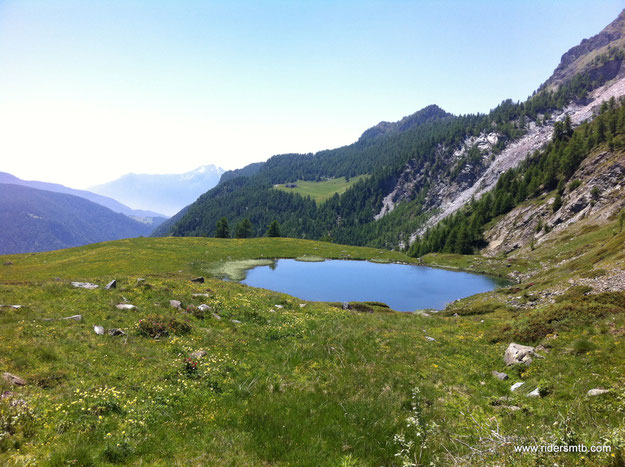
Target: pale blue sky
161, 86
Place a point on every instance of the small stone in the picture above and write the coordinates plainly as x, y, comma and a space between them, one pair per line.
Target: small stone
111, 285
516, 386
216, 316
116, 332
302, 305
278, 306
99, 330
200, 295
534, 393
140, 280
203, 307
175, 304
429, 338
236, 321
199, 280
125, 306
198, 354
346, 306
13, 379
74, 317
84, 285
8, 263
597, 392
500, 376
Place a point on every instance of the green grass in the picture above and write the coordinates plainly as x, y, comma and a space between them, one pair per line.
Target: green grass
321, 191
292, 384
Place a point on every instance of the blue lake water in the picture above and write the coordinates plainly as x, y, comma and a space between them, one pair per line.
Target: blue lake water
402, 287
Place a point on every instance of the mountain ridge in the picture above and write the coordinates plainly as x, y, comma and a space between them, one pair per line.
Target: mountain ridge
165, 192
36, 220
105, 201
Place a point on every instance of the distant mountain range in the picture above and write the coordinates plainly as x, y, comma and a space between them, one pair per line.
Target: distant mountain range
110, 203
167, 193
38, 220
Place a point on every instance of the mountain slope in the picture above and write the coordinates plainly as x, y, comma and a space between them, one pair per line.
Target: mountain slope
105, 201
166, 193
38, 220
423, 168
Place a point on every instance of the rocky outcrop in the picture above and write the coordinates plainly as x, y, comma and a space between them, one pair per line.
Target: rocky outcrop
572, 62
534, 223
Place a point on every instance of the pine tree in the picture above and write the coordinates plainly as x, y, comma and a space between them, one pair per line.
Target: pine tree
274, 229
244, 229
223, 229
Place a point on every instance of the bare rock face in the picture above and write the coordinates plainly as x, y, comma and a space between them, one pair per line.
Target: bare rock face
517, 353
13, 379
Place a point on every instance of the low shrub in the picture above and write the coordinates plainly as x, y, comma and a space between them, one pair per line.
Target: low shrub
161, 326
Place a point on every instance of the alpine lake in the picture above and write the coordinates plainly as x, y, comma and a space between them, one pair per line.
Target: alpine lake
402, 287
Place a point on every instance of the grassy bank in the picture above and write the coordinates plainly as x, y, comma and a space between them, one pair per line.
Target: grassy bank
289, 382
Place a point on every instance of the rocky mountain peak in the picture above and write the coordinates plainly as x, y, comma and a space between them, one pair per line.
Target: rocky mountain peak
580, 58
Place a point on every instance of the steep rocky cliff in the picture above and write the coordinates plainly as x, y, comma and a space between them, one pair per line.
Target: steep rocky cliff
596, 195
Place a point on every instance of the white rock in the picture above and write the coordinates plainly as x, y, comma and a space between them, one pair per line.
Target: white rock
516, 386
597, 392
430, 338
125, 306
85, 285
99, 330
517, 353
203, 307
534, 393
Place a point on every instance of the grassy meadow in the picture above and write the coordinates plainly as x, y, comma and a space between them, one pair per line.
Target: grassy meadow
283, 381
321, 191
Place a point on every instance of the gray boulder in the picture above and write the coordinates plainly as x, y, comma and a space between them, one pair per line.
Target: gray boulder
198, 280
517, 353
116, 332
500, 376
111, 285
13, 379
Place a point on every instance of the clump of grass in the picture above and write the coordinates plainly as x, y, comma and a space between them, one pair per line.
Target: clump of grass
474, 309
310, 259
156, 326
582, 346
